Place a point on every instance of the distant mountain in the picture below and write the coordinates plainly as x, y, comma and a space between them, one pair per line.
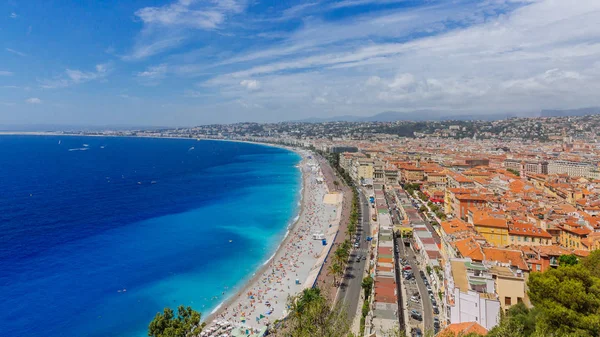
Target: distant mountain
346, 118
570, 112
417, 116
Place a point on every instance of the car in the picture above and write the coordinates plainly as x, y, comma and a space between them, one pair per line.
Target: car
358, 259
416, 332
407, 268
416, 315
364, 258
436, 310
414, 299
422, 274
433, 302
356, 245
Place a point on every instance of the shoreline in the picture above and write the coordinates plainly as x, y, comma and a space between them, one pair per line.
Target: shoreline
255, 276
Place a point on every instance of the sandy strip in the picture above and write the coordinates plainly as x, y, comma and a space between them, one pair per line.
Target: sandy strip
298, 256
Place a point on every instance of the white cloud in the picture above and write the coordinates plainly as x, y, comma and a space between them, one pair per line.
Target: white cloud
152, 75
33, 100
169, 26
154, 72
251, 85
74, 76
16, 52
6, 73
517, 56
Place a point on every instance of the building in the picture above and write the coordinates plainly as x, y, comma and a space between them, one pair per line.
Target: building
471, 294
526, 234
526, 166
510, 286
572, 234
491, 225
571, 168
342, 149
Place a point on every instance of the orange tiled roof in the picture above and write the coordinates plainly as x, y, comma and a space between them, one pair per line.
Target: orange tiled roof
461, 329
527, 229
454, 226
469, 248
512, 257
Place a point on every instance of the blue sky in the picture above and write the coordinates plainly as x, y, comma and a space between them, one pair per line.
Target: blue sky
190, 62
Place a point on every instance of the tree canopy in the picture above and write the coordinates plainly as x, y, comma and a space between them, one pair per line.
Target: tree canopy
311, 315
167, 324
568, 260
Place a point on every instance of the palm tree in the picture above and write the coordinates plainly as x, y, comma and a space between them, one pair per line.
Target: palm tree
335, 269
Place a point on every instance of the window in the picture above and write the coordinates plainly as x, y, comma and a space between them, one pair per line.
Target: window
519, 300
507, 301
538, 267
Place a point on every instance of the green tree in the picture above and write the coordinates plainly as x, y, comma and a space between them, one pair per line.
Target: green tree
568, 299
367, 285
336, 270
311, 315
568, 260
166, 324
592, 263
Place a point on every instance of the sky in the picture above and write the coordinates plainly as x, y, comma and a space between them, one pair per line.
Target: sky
191, 62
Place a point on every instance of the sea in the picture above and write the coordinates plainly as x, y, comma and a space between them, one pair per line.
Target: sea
98, 234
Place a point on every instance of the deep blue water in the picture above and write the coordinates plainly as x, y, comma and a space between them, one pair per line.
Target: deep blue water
77, 229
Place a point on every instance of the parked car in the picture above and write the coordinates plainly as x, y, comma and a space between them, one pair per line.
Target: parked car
416, 315
407, 268
364, 257
414, 299
436, 310
433, 302
416, 332
422, 274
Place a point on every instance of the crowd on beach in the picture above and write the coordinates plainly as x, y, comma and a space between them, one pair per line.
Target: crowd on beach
266, 298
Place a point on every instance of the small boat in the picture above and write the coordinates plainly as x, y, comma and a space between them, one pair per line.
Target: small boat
139, 182
59, 142
85, 145
153, 182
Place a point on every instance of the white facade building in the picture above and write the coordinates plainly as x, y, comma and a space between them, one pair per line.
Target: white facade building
471, 294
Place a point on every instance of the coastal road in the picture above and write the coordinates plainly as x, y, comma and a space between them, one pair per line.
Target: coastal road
351, 288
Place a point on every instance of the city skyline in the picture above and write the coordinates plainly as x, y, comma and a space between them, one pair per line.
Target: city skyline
197, 62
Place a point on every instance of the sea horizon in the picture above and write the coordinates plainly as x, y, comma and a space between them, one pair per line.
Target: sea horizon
141, 224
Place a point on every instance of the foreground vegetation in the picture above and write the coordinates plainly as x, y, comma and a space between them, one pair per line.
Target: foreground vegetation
167, 324
311, 315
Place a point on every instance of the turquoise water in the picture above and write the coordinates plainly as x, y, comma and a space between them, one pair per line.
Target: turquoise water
91, 247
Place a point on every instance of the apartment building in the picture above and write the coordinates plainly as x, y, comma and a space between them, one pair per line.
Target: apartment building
527, 166
571, 168
471, 293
